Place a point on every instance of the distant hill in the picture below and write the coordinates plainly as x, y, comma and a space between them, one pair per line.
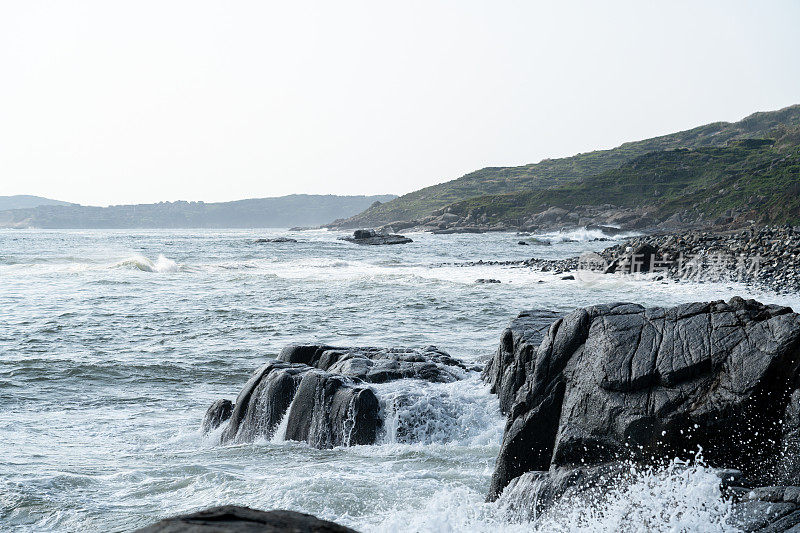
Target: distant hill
25, 201
753, 180
284, 211
554, 173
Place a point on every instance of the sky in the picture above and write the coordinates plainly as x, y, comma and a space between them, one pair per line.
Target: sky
111, 102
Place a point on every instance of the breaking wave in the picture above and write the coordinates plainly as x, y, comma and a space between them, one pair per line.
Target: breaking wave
140, 262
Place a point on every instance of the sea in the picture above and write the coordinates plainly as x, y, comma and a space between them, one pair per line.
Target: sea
114, 342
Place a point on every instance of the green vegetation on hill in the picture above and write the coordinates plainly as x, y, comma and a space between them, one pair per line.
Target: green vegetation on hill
757, 179
553, 173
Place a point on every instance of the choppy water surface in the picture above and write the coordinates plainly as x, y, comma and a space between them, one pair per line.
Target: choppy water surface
113, 344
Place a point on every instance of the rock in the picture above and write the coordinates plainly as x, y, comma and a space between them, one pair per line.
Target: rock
508, 370
369, 236
328, 411
620, 381
276, 239
219, 412
379, 365
323, 409
570, 277
320, 393
236, 519
487, 280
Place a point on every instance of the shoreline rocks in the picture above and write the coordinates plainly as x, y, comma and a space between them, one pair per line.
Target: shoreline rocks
610, 384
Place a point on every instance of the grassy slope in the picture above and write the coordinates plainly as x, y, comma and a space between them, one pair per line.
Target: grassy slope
551, 173
763, 182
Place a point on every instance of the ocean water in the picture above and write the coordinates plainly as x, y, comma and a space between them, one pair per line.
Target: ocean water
113, 344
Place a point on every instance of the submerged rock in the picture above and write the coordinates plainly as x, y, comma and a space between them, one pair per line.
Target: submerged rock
621, 381
219, 412
370, 236
236, 519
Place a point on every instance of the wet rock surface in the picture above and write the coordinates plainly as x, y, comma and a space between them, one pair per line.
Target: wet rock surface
512, 363
236, 519
320, 394
620, 381
371, 237
379, 365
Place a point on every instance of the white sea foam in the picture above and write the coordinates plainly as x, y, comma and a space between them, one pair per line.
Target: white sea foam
462, 412
583, 235
140, 262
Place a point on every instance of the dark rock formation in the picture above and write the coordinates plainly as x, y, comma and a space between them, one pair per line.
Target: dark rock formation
319, 392
378, 365
324, 409
369, 236
276, 239
620, 381
235, 519
487, 280
328, 411
219, 412
508, 370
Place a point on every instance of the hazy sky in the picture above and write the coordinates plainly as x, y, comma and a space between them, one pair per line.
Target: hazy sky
120, 102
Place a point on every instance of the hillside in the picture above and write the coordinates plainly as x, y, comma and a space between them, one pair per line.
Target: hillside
751, 180
25, 201
551, 173
285, 211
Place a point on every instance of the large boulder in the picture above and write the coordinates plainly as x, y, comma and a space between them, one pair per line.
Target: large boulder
321, 395
235, 519
622, 381
508, 370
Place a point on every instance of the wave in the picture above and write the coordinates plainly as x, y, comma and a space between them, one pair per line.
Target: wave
584, 235
140, 262
417, 412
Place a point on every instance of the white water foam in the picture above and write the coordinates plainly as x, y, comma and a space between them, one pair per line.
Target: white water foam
463, 412
140, 262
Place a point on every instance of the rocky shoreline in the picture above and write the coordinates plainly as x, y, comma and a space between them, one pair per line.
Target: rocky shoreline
766, 258
591, 398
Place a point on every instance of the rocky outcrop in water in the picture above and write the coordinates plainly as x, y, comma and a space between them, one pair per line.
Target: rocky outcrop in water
508, 370
321, 395
619, 381
235, 519
276, 240
371, 237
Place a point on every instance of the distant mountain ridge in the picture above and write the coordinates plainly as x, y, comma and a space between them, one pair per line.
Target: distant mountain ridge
555, 173
283, 211
26, 201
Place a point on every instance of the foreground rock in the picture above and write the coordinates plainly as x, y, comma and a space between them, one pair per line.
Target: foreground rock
621, 382
513, 361
371, 237
321, 395
235, 519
